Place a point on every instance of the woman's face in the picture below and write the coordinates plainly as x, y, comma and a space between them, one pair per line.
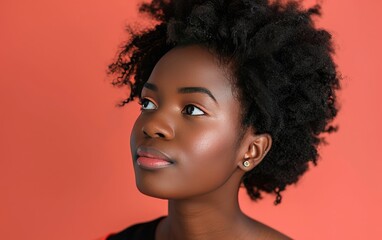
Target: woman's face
190, 116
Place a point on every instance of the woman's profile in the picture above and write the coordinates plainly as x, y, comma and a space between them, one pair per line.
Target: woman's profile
233, 93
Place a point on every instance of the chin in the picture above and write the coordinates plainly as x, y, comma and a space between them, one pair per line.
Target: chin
158, 184
151, 192
162, 192
156, 190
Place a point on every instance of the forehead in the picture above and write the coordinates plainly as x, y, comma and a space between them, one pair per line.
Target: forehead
190, 66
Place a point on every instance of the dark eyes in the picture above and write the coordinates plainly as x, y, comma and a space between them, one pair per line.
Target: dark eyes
192, 110
147, 104
189, 109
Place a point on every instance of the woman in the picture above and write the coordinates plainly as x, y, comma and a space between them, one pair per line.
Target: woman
233, 93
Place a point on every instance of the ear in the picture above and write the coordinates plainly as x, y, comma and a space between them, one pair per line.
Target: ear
257, 149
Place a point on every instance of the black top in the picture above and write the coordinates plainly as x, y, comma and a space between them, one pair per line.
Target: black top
139, 231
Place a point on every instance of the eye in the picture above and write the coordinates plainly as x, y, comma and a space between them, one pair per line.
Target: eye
192, 110
147, 104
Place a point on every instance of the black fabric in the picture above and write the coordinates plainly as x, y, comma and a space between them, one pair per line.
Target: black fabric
139, 231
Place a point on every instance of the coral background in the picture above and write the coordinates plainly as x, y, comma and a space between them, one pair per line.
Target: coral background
65, 165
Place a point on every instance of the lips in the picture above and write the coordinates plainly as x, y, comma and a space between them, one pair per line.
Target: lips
151, 158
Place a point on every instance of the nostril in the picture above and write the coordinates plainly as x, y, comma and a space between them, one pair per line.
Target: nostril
160, 135
157, 134
145, 133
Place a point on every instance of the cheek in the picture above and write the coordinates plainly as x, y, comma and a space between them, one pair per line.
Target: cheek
210, 141
206, 144
209, 154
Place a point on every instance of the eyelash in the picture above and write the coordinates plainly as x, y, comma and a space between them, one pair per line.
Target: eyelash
145, 100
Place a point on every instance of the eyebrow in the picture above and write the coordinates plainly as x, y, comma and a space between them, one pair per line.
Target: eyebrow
151, 86
196, 90
154, 88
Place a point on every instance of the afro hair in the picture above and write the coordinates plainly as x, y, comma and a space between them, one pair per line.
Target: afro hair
281, 63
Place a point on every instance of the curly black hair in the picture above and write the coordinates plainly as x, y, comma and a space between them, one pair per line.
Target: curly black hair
282, 66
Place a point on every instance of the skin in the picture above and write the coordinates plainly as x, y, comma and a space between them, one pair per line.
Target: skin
204, 138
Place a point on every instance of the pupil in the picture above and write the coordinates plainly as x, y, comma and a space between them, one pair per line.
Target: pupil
145, 103
190, 109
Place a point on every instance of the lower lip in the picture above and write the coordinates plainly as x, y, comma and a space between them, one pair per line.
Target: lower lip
152, 163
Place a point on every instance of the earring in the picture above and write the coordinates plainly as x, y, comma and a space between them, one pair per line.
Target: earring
246, 163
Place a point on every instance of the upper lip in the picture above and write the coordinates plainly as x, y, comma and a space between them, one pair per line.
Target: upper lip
151, 152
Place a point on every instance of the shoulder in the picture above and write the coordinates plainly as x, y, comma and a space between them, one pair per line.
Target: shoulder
265, 232
143, 230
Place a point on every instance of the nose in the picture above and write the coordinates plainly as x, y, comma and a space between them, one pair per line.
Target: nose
158, 126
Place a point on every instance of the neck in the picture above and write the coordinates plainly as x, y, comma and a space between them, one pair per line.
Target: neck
215, 215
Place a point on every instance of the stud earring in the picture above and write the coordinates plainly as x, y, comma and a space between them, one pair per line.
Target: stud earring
246, 163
